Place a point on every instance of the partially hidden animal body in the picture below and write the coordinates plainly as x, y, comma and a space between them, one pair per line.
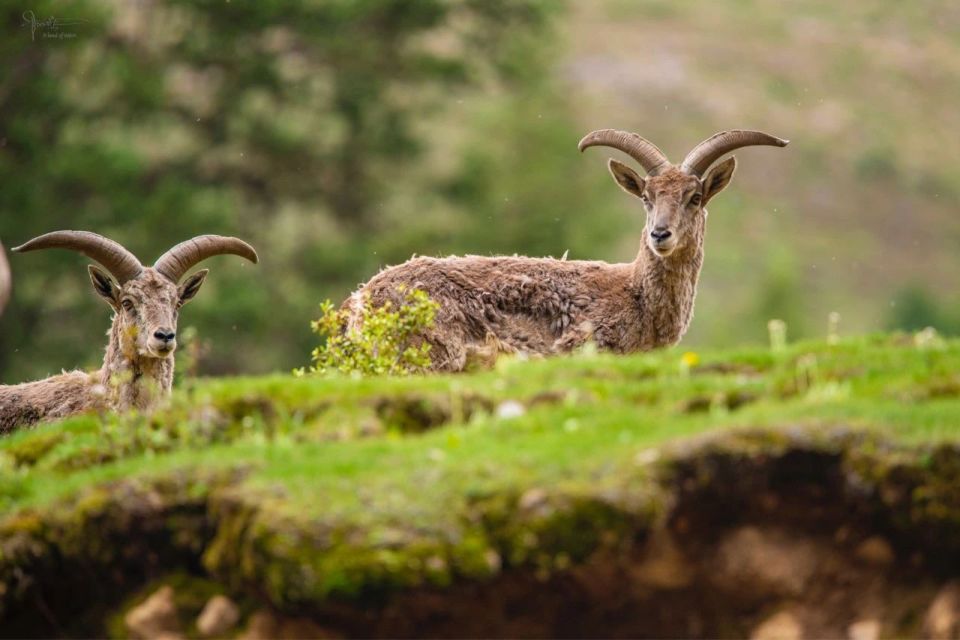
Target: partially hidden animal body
138, 364
491, 305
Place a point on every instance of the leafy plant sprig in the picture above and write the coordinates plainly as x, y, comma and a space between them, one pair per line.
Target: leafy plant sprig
384, 342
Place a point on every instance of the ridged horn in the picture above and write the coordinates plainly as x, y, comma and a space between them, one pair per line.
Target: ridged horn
707, 152
4, 279
640, 149
121, 264
180, 259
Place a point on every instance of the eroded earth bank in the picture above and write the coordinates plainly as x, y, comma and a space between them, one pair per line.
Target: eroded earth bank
787, 533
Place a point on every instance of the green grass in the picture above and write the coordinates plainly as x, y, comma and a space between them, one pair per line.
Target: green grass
578, 413
333, 485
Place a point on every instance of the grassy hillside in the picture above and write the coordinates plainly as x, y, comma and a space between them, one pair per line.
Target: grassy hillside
431, 500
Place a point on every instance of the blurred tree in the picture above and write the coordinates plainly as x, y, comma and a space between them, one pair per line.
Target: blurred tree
516, 183
915, 308
522, 187
289, 123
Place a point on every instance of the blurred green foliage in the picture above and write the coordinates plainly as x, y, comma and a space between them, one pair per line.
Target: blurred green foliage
915, 308
320, 132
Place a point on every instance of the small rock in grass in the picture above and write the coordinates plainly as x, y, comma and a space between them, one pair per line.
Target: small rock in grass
943, 617
875, 550
510, 409
780, 626
864, 630
154, 617
646, 456
218, 616
371, 427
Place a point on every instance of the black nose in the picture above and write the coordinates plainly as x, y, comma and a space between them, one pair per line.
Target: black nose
660, 234
166, 336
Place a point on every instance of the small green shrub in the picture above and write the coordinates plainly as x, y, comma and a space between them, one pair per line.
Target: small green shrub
383, 344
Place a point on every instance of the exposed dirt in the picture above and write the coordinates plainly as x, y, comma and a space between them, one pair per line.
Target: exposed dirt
776, 540
789, 541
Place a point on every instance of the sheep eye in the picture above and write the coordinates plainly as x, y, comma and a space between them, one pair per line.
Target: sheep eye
127, 304
695, 200
645, 198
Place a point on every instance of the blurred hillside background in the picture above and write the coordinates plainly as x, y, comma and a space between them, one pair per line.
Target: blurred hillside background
345, 135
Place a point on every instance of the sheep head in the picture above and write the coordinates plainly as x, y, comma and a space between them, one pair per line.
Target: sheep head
146, 300
674, 196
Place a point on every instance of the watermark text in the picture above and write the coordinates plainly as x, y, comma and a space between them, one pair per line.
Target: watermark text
49, 28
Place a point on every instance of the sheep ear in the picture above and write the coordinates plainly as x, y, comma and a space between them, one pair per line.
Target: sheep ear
628, 179
191, 286
718, 178
104, 285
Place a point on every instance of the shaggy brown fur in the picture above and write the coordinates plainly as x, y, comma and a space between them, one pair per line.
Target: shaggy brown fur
137, 367
56, 397
546, 306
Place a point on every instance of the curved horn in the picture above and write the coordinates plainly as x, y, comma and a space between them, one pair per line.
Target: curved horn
180, 259
121, 264
643, 151
4, 279
707, 152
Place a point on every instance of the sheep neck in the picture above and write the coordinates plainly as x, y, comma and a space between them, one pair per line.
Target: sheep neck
133, 381
665, 289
